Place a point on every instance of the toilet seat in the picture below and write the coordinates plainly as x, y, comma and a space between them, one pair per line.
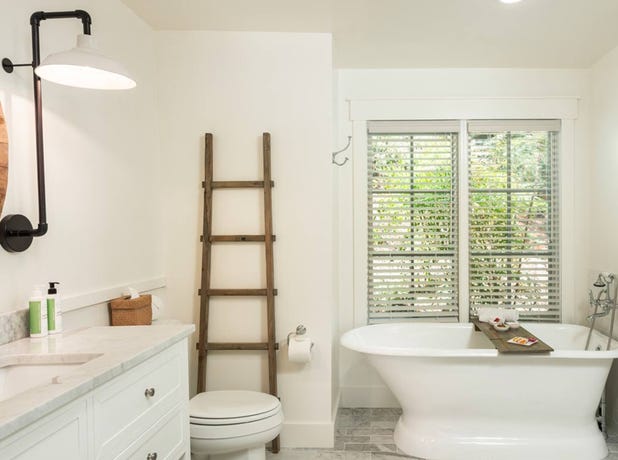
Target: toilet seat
232, 407
233, 420
232, 414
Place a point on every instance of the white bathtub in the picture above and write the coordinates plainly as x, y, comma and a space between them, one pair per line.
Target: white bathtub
463, 400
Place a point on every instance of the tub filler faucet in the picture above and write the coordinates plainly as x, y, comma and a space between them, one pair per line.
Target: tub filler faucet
604, 303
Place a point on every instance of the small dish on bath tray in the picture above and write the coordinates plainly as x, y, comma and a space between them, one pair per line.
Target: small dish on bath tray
501, 327
512, 324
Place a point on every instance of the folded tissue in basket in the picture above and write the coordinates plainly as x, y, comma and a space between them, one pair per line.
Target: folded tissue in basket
133, 293
128, 311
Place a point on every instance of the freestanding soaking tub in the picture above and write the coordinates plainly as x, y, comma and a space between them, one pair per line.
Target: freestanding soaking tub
463, 400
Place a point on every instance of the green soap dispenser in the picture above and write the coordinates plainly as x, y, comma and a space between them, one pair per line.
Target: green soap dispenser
37, 313
54, 309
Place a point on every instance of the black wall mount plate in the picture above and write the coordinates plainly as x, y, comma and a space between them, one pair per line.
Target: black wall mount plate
10, 227
7, 65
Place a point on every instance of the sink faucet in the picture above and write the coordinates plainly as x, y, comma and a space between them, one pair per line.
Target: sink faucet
605, 300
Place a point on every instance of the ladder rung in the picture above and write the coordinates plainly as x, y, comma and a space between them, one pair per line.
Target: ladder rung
239, 184
239, 238
236, 346
237, 292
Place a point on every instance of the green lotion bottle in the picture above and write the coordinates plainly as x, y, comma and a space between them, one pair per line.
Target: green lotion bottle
54, 310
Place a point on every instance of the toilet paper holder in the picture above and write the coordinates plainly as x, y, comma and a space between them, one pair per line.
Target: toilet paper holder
300, 330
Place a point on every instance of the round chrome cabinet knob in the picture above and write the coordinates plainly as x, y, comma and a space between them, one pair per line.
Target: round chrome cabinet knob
149, 393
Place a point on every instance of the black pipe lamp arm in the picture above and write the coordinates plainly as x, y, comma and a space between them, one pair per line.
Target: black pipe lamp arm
16, 231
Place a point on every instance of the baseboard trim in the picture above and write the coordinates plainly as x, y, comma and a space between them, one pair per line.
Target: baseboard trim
317, 435
367, 396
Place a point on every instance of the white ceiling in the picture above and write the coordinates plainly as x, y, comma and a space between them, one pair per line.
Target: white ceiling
416, 33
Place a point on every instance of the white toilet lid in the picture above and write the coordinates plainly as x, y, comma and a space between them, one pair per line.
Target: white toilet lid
230, 405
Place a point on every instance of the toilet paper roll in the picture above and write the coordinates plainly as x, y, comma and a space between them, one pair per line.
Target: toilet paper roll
299, 349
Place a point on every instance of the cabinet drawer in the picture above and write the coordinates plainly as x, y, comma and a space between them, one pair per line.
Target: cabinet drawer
130, 404
167, 439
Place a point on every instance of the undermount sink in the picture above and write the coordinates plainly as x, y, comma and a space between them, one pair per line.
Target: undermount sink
19, 373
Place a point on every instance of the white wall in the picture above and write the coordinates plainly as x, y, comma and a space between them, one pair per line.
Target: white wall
360, 385
101, 157
604, 215
237, 86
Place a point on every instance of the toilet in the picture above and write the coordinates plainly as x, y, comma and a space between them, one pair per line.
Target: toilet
233, 425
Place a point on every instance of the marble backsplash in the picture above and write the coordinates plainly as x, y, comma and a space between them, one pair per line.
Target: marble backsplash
13, 326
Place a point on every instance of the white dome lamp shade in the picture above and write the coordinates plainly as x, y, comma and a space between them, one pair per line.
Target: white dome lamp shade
85, 67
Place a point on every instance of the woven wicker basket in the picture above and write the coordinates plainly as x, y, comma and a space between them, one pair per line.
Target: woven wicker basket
125, 311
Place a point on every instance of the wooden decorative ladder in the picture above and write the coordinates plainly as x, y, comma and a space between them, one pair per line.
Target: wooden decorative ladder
206, 292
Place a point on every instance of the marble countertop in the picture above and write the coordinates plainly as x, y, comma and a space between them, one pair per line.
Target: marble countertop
121, 348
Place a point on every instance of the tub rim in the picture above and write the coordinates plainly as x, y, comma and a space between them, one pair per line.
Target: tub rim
348, 341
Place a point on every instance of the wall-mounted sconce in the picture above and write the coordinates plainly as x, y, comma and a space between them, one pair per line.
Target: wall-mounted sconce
84, 67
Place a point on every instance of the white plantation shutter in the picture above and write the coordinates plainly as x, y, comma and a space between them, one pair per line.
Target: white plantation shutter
412, 221
513, 217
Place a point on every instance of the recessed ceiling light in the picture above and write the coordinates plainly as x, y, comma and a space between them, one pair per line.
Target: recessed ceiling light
510, 1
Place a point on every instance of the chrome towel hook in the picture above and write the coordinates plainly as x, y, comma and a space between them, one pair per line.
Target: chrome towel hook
345, 160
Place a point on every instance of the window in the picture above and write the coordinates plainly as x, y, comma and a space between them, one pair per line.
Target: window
414, 226
513, 217
412, 221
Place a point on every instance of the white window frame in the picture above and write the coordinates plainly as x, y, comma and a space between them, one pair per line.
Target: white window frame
564, 109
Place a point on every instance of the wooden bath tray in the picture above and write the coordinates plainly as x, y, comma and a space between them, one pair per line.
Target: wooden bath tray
499, 339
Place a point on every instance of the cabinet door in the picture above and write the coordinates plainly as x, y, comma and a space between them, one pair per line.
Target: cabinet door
60, 435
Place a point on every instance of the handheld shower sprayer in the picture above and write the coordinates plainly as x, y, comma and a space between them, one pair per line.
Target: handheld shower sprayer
605, 300
600, 282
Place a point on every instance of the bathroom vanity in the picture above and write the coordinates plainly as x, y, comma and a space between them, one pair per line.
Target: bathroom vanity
98, 393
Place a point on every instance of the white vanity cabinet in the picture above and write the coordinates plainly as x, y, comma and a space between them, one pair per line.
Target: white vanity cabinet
142, 413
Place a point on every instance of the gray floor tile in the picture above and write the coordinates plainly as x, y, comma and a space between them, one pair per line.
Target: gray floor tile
360, 434
341, 441
354, 431
352, 421
383, 424
388, 447
381, 438
385, 414
349, 422
354, 412
375, 431
353, 438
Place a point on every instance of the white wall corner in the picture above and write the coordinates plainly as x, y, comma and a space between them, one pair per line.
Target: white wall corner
308, 435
